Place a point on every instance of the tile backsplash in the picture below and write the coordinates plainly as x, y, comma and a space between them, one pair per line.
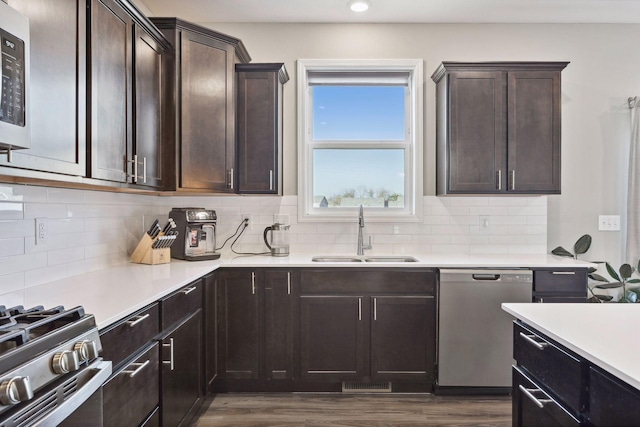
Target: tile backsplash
90, 230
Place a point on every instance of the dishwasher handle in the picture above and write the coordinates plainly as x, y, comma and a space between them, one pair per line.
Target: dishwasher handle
491, 277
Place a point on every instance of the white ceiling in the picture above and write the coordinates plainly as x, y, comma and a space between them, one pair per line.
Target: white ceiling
402, 11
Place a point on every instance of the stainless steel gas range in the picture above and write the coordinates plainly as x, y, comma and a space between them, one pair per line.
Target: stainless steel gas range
50, 370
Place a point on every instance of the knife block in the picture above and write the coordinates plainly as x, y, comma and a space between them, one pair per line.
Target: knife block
145, 254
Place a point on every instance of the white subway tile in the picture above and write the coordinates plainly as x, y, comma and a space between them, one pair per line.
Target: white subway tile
450, 249
449, 229
20, 228
21, 263
508, 201
11, 211
437, 220
11, 282
64, 195
54, 242
489, 210
391, 238
9, 247
23, 193
63, 256
465, 201
45, 210
38, 276
430, 239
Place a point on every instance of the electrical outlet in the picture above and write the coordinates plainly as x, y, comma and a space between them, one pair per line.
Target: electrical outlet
484, 224
42, 231
609, 222
247, 217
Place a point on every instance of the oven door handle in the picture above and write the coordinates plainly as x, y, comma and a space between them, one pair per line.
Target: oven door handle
102, 370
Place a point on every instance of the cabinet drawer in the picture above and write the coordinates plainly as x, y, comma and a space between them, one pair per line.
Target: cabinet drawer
612, 402
534, 407
560, 280
550, 365
181, 304
552, 299
381, 281
134, 392
127, 336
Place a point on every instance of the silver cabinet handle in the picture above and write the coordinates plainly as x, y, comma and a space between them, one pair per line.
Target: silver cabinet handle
253, 283
529, 393
137, 320
270, 179
359, 308
139, 367
513, 179
144, 170
170, 361
288, 283
536, 344
134, 166
499, 179
231, 178
189, 290
568, 273
375, 309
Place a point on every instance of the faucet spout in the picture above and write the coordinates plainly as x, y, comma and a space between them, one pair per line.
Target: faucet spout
361, 245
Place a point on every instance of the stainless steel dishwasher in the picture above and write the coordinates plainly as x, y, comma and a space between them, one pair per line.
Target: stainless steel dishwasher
474, 334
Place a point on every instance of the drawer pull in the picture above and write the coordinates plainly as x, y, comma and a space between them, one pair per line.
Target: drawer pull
529, 393
137, 320
189, 290
169, 362
139, 367
567, 273
536, 344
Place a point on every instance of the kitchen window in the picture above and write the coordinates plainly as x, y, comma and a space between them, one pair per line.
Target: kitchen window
359, 139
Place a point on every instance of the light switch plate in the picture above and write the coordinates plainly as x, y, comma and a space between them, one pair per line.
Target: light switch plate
609, 222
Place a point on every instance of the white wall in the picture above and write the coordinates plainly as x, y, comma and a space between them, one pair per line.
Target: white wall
602, 74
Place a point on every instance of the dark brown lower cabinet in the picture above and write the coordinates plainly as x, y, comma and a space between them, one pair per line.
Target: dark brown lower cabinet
554, 387
210, 329
403, 338
533, 407
279, 309
239, 324
182, 370
132, 394
332, 338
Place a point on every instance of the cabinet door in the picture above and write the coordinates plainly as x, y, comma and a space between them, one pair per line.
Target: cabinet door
182, 370
534, 132
279, 312
612, 402
238, 325
332, 339
210, 328
208, 118
403, 330
134, 392
258, 132
148, 110
111, 75
58, 89
476, 162
534, 407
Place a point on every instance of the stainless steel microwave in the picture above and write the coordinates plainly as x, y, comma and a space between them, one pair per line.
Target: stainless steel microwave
14, 90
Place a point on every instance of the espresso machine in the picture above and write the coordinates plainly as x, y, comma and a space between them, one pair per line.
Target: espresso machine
197, 226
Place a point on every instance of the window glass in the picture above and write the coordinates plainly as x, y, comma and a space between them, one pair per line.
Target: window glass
358, 113
353, 177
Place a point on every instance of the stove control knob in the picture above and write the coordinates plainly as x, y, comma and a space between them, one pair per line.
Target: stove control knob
65, 362
86, 350
15, 390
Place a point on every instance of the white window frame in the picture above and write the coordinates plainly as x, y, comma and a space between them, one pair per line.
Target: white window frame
414, 142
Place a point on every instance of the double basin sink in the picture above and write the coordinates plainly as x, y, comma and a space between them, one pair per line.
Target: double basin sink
346, 258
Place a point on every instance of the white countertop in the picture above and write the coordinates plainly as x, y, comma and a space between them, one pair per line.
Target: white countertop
604, 334
116, 292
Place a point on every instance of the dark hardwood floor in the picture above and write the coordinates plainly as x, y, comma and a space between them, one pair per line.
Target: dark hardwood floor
354, 410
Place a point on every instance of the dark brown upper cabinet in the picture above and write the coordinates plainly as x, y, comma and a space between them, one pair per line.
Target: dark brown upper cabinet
259, 130
58, 90
202, 111
498, 127
126, 78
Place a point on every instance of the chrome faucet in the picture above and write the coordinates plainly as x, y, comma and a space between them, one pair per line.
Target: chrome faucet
361, 245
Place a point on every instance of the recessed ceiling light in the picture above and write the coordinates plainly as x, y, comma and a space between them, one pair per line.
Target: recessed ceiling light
359, 5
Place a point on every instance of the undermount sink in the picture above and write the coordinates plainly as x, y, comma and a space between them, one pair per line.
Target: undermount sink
390, 259
335, 259
365, 259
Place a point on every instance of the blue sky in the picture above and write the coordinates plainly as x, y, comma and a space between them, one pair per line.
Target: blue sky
356, 113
